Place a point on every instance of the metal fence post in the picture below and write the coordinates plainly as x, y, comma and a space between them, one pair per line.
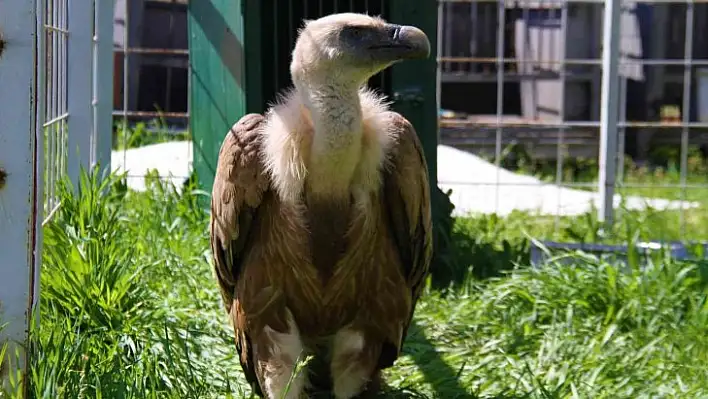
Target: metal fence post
609, 109
438, 71
79, 87
103, 84
19, 180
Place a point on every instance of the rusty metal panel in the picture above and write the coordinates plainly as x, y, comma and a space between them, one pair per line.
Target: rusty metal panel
150, 43
19, 181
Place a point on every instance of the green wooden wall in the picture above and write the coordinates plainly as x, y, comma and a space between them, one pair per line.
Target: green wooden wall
217, 93
239, 61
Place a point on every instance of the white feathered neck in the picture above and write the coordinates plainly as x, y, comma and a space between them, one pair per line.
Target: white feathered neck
327, 142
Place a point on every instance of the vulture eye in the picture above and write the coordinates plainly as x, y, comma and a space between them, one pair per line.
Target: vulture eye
357, 32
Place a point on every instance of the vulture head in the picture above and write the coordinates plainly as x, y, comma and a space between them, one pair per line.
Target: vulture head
350, 48
332, 60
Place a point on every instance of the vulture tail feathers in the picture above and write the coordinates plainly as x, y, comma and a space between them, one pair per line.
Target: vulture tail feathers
407, 201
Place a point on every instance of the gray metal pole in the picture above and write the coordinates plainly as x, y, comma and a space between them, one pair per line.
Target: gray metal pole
103, 84
20, 204
609, 109
440, 53
79, 88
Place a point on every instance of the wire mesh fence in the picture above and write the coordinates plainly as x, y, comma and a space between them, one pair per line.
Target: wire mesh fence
54, 97
151, 83
53, 107
72, 94
521, 88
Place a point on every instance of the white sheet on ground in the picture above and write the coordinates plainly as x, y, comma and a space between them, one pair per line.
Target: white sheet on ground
471, 178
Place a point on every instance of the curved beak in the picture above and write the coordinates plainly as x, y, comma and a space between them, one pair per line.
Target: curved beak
401, 43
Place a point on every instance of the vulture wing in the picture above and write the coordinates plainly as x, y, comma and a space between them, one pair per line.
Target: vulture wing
239, 186
407, 199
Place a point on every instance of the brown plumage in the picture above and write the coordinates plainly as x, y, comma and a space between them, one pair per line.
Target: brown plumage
321, 226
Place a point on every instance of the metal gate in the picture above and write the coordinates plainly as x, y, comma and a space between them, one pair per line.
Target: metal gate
55, 116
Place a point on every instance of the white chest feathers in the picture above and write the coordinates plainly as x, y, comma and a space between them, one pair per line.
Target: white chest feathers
343, 152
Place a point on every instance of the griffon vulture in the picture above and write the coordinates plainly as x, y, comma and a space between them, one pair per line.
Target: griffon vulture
320, 217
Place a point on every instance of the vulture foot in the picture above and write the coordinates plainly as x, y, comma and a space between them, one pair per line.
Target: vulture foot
276, 356
353, 363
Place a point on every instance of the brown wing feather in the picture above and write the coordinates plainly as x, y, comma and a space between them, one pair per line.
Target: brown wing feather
239, 185
407, 198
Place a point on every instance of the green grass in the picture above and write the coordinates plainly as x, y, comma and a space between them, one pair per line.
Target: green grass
561, 332
488, 243
145, 133
127, 305
130, 309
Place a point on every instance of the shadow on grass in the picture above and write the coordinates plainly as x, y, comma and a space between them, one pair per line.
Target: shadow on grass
444, 379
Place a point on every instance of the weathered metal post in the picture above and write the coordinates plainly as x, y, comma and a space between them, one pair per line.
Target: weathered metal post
20, 191
609, 110
103, 84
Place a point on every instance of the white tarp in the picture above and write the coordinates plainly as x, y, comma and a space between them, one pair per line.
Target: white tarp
472, 179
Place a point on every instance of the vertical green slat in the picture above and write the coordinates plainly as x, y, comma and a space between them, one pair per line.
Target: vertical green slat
276, 45
419, 75
291, 23
415, 84
252, 9
382, 7
217, 92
